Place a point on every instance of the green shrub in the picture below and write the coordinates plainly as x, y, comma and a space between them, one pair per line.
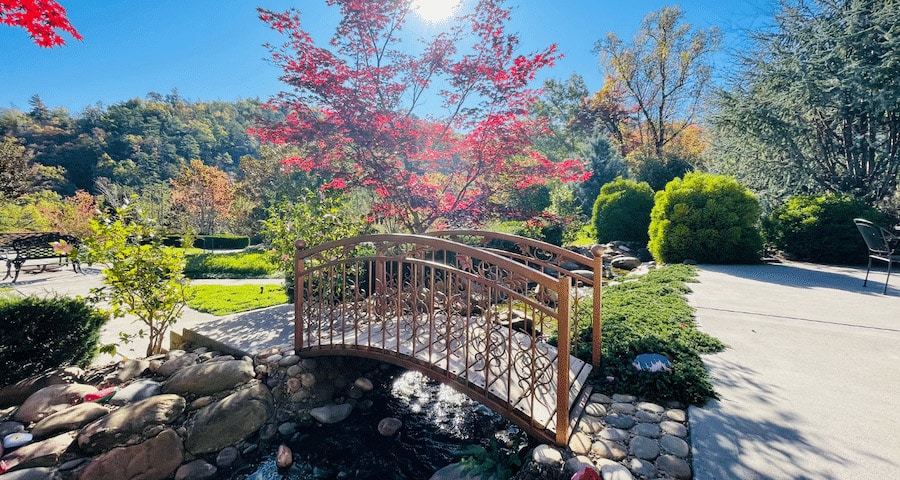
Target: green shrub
820, 228
230, 265
622, 211
44, 333
537, 228
706, 218
651, 315
210, 242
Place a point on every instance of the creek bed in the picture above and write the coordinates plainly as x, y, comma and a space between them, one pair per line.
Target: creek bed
437, 420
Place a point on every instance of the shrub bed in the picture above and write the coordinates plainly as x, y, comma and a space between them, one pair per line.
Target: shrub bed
45, 333
820, 228
651, 315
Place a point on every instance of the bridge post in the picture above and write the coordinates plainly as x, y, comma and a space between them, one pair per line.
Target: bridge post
597, 326
299, 278
564, 335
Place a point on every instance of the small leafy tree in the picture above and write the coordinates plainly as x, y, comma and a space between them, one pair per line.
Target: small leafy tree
706, 218
141, 277
315, 217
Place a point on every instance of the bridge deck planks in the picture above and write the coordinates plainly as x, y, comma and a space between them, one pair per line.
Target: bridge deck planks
423, 337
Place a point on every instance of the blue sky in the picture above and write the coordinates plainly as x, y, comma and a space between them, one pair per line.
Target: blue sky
212, 49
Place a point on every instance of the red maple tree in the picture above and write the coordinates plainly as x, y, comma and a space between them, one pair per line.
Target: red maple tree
356, 110
40, 17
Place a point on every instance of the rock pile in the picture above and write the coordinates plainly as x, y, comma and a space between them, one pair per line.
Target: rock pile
182, 415
622, 438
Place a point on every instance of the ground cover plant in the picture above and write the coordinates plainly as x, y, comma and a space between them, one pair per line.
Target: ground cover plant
44, 333
228, 299
650, 314
230, 265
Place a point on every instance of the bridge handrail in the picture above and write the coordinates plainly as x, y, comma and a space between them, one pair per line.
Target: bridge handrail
547, 256
468, 260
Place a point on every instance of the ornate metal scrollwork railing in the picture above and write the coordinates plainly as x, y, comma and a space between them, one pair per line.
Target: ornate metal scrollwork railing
461, 314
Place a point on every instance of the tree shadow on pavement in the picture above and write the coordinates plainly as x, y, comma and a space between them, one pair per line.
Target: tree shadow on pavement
809, 275
758, 437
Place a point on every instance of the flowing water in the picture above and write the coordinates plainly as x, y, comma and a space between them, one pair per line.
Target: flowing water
437, 420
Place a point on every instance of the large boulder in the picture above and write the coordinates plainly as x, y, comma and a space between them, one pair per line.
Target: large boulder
229, 420
154, 459
332, 413
210, 377
50, 400
69, 419
127, 424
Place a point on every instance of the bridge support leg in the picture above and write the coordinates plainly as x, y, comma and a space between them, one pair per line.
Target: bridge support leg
299, 279
564, 335
597, 326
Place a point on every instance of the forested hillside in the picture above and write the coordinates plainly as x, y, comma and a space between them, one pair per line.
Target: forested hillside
134, 144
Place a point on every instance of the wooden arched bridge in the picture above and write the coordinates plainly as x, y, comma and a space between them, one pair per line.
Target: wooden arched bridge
494, 315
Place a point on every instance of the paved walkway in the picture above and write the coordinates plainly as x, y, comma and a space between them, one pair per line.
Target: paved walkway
65, 282
810, 386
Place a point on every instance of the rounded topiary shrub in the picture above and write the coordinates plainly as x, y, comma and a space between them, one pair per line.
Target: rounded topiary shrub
820, 228
43, 333
622, 211
706, 218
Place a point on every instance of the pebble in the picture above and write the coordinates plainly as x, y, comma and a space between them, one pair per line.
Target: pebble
615, 472
649, 430
650, 407
595, 410
609, 449
18, 439
600, 398
676, 415
620, 398
196, 470
646, 417
675, 446
288, 361
674, 466
388, 426
624, 408
580, 443
284, 458
590, 424
227, 457
642, 468
644, 448
614, 434
673, 428
546, 455
619, 420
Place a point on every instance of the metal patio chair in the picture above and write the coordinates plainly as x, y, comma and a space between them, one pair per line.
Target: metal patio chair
882, 246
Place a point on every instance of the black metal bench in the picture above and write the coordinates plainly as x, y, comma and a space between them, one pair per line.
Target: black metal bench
17, 248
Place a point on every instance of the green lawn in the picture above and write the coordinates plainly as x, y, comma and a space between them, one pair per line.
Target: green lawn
230, 265
228, 299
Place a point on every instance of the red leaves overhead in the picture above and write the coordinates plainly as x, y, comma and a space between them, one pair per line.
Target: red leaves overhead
40, 17
354, 108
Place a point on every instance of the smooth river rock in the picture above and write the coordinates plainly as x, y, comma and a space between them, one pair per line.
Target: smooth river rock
119, 426
229, 420
154, 459
40, 454
210, 377
69, 419
331, 413
50, 400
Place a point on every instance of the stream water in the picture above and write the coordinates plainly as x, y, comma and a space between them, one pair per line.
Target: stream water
437, 420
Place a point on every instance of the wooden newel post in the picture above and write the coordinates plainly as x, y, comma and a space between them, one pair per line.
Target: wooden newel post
597, 326
564, 336
299, 279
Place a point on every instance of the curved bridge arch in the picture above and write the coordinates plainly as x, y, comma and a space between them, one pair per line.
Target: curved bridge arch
462, 315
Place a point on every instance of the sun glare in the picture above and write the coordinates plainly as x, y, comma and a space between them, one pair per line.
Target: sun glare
435, 11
